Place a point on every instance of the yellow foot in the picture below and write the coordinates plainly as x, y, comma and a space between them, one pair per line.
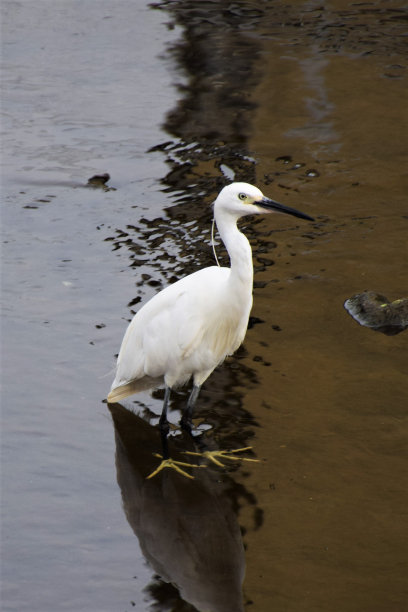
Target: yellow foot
223, 454
169, 463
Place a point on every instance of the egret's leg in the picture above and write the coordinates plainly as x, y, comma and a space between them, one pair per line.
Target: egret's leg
164, 426
186, 422
215, 455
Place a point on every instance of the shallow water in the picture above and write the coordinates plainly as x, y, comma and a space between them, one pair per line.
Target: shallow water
174, 101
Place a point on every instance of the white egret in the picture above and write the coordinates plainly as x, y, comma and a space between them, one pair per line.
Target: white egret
191, 326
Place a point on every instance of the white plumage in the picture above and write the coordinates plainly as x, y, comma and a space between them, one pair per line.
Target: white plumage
180, 332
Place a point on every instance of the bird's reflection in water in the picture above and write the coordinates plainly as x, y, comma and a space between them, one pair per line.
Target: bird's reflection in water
187, 529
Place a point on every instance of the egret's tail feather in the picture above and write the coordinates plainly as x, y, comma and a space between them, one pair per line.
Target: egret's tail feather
134, 386
120, 393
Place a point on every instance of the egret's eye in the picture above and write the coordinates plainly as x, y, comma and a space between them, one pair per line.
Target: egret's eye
242, 196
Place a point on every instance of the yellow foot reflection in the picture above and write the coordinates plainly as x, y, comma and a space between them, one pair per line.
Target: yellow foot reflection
169, 463
223, 454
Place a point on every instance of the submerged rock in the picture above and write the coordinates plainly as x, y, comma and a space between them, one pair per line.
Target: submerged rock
98, 181
374, 310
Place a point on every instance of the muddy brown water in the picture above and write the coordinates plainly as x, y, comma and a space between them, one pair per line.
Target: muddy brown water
308, 101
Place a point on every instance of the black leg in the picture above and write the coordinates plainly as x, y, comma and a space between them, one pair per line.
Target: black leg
164, 424
186, 422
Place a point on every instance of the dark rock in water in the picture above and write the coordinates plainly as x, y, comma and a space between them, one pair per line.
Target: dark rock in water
98, 181
373, 310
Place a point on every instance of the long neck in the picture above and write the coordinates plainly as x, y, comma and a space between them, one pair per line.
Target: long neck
238, 247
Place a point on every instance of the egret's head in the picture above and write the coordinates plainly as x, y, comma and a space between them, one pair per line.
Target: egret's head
241, 199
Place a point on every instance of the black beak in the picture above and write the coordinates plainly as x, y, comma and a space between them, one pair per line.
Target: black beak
272, 205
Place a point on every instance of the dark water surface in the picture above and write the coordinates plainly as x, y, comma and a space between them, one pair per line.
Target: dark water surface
307, 100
